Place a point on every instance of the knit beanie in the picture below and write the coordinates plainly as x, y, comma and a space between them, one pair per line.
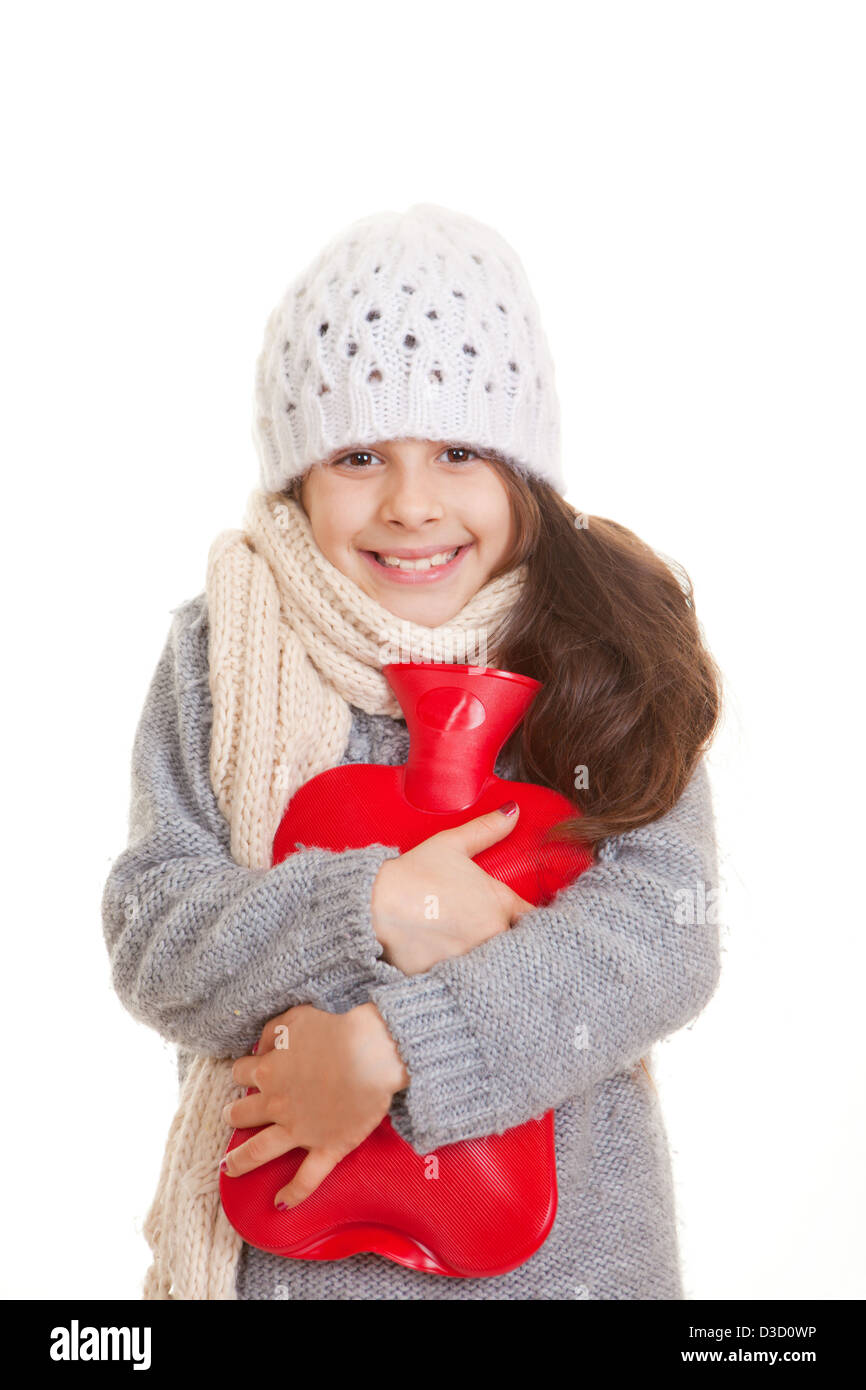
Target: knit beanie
407, 325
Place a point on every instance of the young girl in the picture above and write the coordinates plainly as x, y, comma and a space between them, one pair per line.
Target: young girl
408, 429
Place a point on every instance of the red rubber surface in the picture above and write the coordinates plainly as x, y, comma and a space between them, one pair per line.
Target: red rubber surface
494, 1199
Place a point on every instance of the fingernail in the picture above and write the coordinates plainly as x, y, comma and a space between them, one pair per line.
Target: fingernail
223, 1165
255, 1047
508, 808
282, 1206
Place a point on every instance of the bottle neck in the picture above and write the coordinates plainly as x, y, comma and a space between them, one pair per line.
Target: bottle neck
458, 718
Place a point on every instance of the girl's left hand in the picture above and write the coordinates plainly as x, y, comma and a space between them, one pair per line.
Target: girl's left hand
325, 1081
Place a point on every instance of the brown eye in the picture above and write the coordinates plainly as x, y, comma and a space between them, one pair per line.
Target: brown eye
351, 459
459, 449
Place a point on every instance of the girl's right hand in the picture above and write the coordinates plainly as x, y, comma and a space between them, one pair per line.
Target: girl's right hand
433, 902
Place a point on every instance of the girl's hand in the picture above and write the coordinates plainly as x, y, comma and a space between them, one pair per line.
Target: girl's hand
325, 1082
433, 902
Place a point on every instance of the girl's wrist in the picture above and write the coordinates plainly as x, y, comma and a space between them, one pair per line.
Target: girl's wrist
378, 1047
382, 920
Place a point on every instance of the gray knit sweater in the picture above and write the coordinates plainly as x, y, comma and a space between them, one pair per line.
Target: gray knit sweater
553, 1014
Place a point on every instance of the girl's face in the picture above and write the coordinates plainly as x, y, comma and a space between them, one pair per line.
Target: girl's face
418, 500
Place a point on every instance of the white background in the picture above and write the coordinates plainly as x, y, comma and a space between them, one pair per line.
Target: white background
684, 184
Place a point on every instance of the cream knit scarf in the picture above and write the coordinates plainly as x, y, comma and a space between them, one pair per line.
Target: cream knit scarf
293, 643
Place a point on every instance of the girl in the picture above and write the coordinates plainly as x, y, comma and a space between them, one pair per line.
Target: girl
408, 431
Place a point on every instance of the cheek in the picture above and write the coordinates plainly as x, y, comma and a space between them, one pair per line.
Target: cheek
333, 528
496, 527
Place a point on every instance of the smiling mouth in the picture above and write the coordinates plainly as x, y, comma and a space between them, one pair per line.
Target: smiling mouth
417, 569
426, 562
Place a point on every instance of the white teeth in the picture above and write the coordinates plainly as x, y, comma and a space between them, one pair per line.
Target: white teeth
423, 564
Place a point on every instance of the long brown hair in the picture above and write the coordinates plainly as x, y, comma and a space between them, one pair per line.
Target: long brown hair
629, 691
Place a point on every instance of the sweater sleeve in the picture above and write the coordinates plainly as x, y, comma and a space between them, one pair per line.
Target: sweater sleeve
202, 949
572, 994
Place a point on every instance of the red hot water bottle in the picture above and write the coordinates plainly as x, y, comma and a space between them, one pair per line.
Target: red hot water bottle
482, 1206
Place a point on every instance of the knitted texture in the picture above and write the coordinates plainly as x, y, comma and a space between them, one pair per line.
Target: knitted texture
553, 1014
293, 641
419, 324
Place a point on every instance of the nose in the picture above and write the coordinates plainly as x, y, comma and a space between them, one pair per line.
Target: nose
410, 499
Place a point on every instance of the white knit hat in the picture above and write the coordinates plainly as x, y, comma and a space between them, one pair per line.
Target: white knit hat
407, 325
